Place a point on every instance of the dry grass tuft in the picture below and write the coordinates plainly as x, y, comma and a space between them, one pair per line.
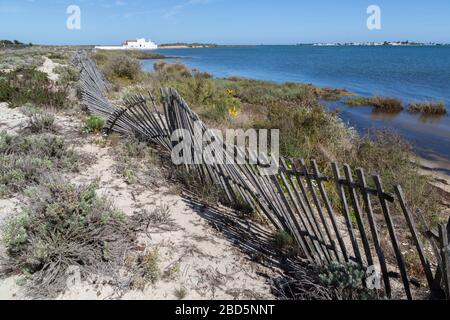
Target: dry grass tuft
386, 104
428, 108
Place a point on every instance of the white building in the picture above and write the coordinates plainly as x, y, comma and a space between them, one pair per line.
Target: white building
138, 44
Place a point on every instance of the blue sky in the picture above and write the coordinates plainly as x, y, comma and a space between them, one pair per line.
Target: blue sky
223, 21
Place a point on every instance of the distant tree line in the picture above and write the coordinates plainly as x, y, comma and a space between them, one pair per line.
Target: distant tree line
13, 44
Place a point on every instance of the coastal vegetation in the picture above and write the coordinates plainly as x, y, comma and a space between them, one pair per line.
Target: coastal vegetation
47, 236
93, 124
26, 160
34, 56
358, 101
102, 56
380, 104
307, 129
428, 108
50, 235
386, 104
122, 67
28, 85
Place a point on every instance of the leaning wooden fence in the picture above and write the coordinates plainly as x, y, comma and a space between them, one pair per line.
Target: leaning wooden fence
346, 217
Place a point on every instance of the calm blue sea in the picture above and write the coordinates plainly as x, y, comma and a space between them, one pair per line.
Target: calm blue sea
409, 73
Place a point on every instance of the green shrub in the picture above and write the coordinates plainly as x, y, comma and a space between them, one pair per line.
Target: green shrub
67, 75
266, 93
202, 94
27, 85
6, 91
26, 160
41, 122
64, 226
171, 71
347, 282
42, 145
150, 265
100, 57
385, 153
94, 124
306, 131
343, 276
15, 233
283, 240
124, 67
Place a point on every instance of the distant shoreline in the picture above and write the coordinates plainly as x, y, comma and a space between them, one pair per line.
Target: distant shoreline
298, 45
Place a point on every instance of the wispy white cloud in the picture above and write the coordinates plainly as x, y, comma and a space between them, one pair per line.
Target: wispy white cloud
175, 10
113, 4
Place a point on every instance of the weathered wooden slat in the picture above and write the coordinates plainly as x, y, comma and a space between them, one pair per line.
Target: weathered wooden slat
346, 212
374, 232
393, 236
312, 219
415, 236
293, 221
312, 245
309, 181
445, 258
330, 210
358, 215
299, 205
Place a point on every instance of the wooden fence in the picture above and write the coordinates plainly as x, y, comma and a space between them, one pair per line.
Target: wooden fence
346, 217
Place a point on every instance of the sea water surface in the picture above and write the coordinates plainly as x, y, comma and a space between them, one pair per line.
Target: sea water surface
408, 73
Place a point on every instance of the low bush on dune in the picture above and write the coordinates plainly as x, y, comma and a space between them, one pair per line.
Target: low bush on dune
171, 71
385, 153
23, 57
202, 93
210, 102
26, 160
64, 226
67, 75
100, 57
67, 230
265, 92
428, 108
28, 85
40, 122
94, 124
306, 131
123, 67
